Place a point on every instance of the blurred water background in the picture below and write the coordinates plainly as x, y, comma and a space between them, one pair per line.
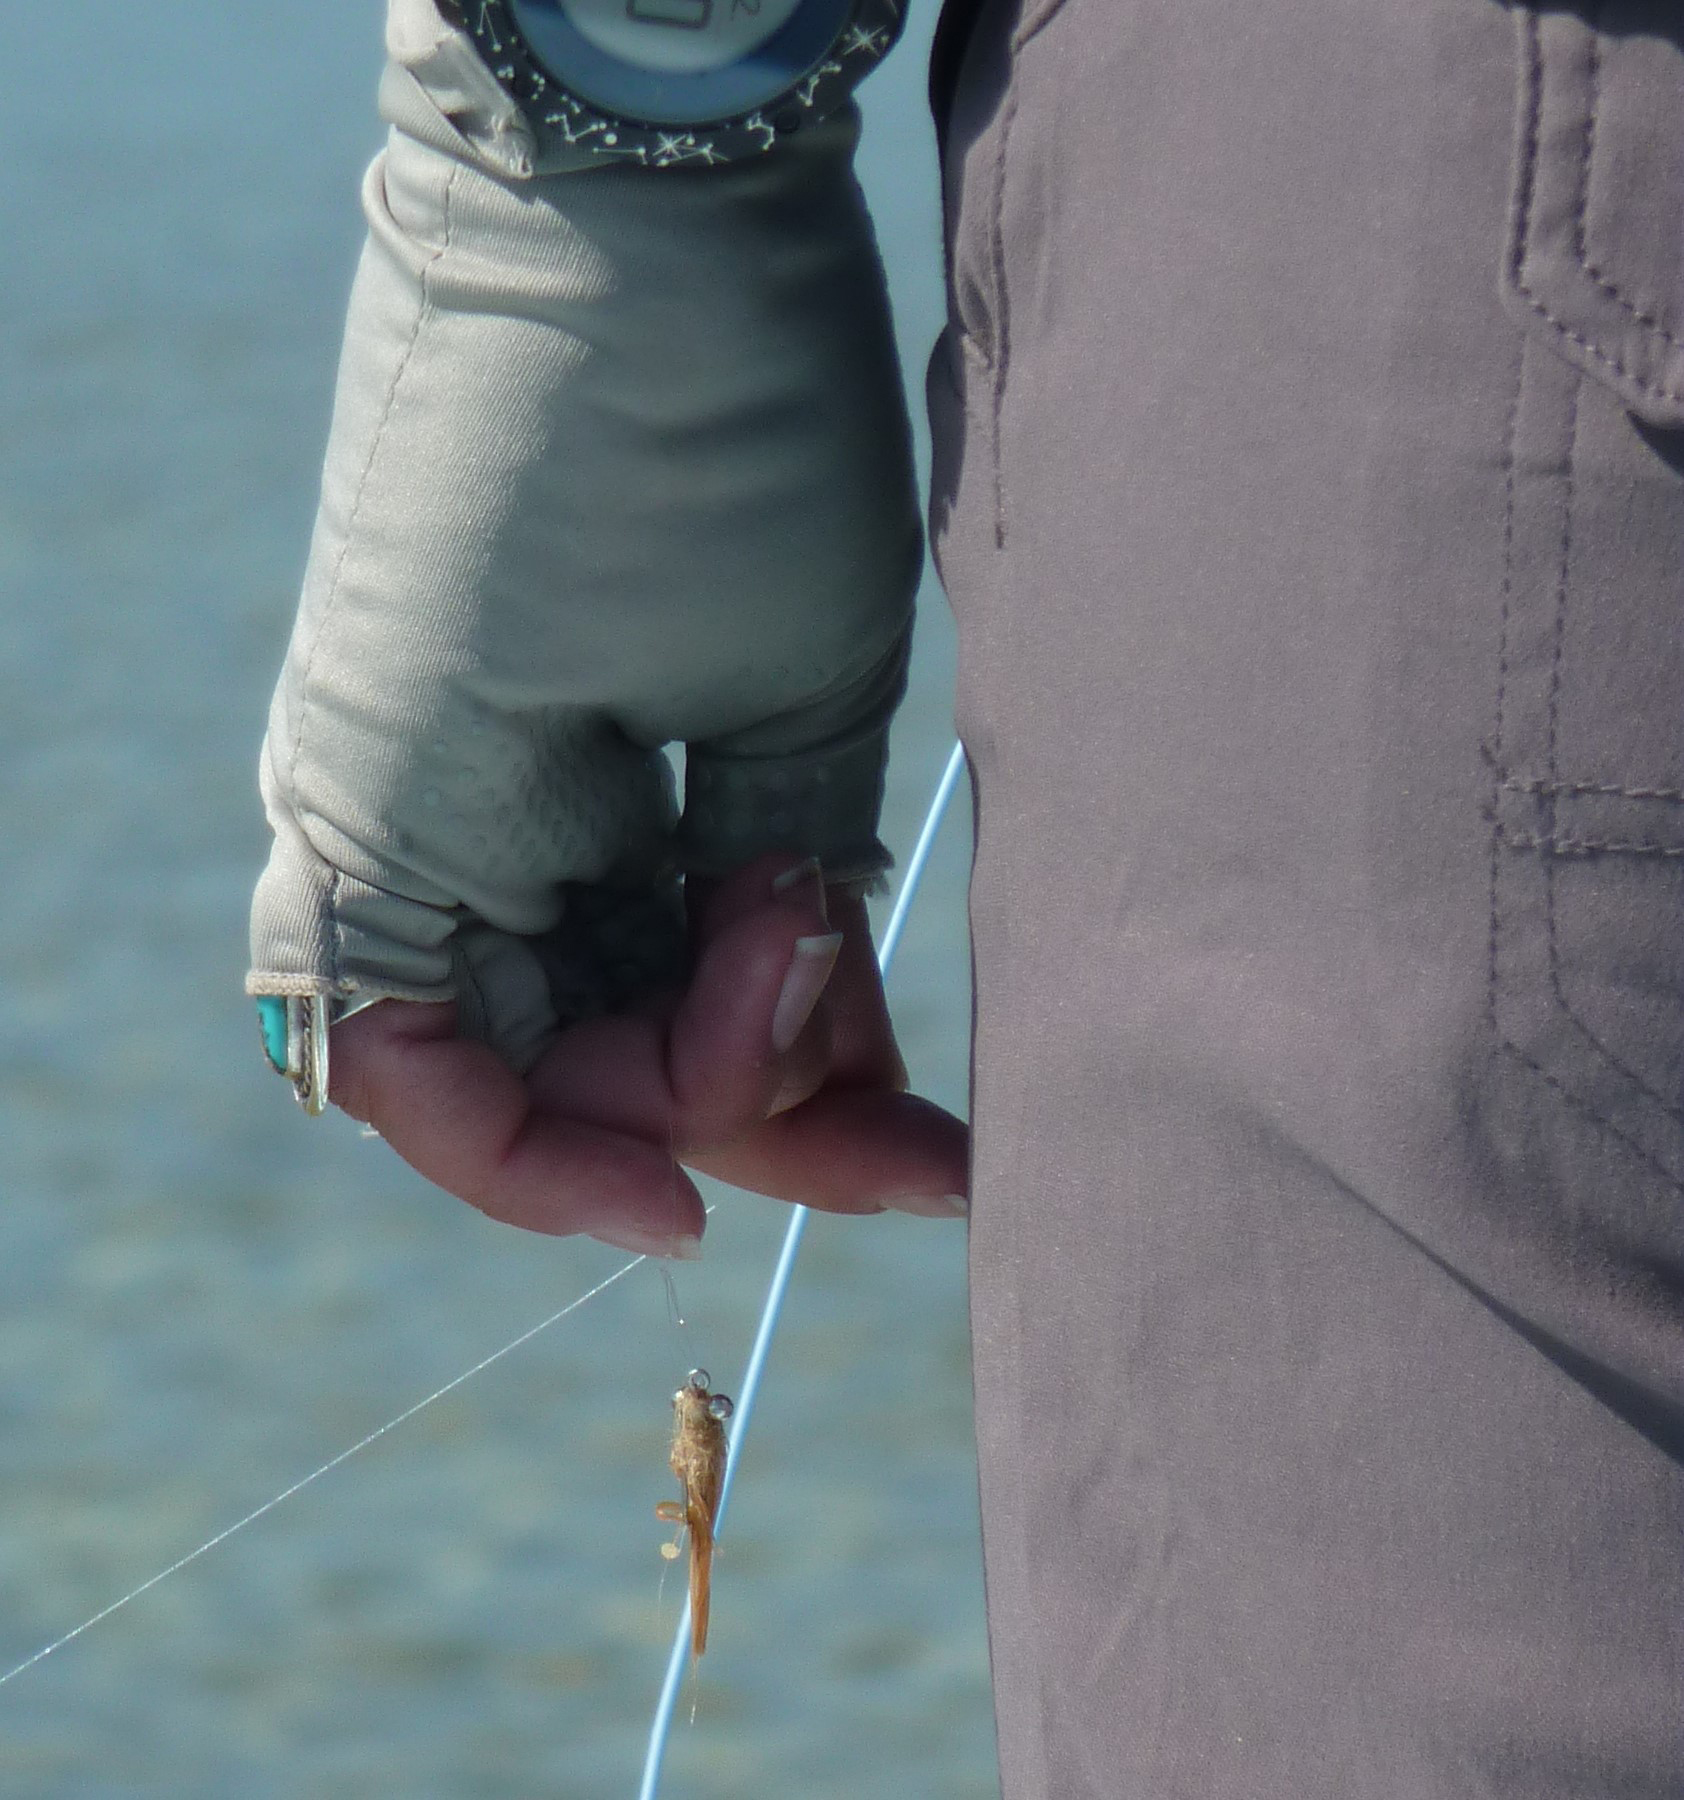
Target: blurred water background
203, 1295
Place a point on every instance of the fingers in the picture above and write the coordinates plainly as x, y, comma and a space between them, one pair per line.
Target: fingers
853, 1151
745, 1036
459, 1116
776, 1069
849, 1141
850, 1040
751, 1003
863, 1052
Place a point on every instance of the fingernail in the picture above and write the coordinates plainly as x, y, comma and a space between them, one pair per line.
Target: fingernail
806, 871
650, 1243
809, 874
929, 1206
809, 970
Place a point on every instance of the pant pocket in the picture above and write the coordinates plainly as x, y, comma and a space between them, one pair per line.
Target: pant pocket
1587, 920
1596, 249
1587, 896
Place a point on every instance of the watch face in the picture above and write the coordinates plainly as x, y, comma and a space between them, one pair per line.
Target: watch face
678, 37
680, 62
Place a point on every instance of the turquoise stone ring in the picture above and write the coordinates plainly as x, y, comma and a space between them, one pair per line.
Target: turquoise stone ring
294, 1028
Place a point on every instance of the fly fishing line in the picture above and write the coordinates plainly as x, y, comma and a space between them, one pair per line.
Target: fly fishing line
660, 1729
891, 936
333, 1462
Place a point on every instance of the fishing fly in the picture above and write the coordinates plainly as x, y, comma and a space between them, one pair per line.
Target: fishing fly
697, 1458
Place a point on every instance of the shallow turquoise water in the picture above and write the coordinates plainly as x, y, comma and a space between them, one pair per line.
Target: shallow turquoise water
202, 1294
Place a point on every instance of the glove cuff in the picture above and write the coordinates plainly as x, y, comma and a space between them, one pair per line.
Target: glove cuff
318, 931
821, 803
810, 782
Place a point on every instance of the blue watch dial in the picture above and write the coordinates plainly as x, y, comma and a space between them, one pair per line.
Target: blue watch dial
668, 82
679, 62
679, 36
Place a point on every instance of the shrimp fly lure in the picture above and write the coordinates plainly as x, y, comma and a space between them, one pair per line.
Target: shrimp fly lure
698, 1460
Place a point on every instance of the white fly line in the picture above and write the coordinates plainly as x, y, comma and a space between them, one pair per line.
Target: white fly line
660, 1726
333, 1462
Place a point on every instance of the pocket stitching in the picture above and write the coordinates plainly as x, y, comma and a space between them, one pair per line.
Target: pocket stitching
1522, 229
1555, 844
1520, 784
1598, 1119
1597, 276
1548, 804
1544, 791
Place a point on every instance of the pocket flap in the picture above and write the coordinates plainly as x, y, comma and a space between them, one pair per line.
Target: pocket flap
1596, 248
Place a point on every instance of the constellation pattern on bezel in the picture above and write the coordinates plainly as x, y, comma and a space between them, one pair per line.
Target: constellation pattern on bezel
757, 122
488, 28
808, 90
495, 33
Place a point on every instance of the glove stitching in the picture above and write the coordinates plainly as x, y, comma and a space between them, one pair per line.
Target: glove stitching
335, 932
423, 308
470, 979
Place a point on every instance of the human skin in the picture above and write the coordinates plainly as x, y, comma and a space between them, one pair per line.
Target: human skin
595, 1138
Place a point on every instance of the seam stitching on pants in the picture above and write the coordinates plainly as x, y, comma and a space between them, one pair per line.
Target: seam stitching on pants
1581, 250
1002, 312
423, 307
1558, 653
1519, 784
1554, 845
1522, 236
1605, 1124
1500, 779
1510, 437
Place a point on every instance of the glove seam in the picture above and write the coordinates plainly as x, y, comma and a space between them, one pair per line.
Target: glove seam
335, 931
467, 976
424, 307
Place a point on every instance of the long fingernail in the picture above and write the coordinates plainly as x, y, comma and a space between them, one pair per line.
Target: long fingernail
809, 970
929, 1206
650, 1243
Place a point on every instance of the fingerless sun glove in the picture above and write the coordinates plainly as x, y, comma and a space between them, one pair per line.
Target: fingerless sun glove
619, 460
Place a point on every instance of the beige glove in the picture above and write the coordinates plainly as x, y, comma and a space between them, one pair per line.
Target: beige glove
619, 459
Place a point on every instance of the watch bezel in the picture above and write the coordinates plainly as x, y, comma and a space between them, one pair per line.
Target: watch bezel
867, 31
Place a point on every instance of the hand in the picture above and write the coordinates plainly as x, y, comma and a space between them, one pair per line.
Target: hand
763, 1072
619, 460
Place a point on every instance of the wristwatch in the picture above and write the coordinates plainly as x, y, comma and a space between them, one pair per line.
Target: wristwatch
670, 82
